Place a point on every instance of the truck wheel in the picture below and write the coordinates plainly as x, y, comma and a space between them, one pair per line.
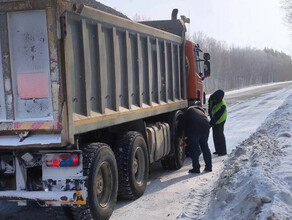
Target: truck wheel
100, 166
67, 212
133, 164
64, 212
176, 160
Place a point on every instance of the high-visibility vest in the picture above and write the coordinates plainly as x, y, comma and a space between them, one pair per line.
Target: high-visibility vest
216, 108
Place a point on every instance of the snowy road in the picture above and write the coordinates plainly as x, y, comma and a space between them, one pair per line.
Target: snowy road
247, 110
172, 195
256, 181
180, 195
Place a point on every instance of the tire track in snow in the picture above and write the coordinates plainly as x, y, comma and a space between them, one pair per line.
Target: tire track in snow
199, 202
198, 199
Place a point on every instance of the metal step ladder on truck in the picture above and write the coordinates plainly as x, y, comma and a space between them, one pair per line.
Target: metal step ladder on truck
88, 100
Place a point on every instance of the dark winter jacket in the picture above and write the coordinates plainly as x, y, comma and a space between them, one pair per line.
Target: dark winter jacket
196, 121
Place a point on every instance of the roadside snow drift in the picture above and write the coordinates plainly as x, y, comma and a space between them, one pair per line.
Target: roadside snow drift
256, 182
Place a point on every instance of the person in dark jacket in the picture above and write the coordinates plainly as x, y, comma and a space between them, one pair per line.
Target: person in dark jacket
218, 112
197, 130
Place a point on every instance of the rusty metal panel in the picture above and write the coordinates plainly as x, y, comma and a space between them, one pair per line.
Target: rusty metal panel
53, 27
8, 6
5, 61
68, 56
28, 41
29, 75
30, 65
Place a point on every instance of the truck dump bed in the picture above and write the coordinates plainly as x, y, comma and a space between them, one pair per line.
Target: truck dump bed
67, 69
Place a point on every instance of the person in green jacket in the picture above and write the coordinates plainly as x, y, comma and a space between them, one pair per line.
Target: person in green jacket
218, 113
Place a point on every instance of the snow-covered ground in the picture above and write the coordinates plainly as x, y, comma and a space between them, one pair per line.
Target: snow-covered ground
221, 194
253, 182
256, 182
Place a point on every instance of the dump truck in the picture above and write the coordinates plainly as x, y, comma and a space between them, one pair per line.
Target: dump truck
88, 100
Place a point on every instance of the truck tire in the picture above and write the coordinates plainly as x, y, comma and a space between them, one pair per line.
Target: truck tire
68, 213
100, 166
133, 165
176, 159
60, 212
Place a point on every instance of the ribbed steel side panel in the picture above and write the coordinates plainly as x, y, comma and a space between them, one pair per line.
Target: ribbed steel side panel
115, 71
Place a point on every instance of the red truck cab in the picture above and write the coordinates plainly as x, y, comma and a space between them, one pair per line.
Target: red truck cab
198, 68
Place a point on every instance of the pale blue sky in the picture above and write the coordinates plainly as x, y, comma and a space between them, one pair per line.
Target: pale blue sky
255, 23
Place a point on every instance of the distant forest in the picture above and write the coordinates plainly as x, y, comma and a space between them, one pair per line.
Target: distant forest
287, 6
234, 67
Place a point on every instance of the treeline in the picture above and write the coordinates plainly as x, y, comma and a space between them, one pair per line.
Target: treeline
287, 6
234, 67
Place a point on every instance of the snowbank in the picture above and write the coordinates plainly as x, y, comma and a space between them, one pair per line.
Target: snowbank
257, 179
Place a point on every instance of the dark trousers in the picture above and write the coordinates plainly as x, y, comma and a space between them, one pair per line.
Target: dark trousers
219, 138
196, 144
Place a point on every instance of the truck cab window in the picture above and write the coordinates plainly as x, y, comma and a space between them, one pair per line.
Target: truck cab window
199, 65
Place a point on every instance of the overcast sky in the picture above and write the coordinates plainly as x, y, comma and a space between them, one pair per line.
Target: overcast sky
255, 23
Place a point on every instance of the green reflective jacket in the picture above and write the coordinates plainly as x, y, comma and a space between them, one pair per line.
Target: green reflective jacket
216, 108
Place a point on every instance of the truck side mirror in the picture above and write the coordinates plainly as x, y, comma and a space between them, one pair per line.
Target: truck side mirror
206, 56
207, 69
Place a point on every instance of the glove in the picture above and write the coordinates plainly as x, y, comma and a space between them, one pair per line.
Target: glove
212, 123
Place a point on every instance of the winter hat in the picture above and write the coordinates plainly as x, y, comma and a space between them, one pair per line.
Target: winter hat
218, 95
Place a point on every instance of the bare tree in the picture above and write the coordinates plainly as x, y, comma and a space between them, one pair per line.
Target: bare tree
287, 6
235, 67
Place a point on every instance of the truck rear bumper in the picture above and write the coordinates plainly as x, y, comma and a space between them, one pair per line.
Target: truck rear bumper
54, 198
41, 139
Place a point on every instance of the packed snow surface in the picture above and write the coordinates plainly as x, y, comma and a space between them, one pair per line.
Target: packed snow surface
180, 195
256, 182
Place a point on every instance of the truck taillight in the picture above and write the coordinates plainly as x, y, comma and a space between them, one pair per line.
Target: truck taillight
62, 160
